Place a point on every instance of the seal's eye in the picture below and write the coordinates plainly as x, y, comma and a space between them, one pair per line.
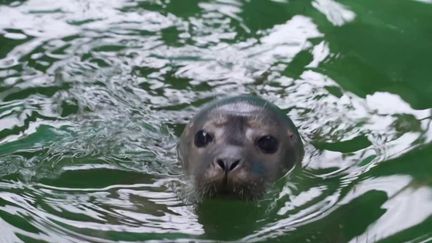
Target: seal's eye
202, 138
268, 144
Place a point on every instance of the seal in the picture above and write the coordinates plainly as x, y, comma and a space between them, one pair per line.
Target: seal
237, 146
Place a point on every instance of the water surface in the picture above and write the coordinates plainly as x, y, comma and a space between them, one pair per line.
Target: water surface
93, 95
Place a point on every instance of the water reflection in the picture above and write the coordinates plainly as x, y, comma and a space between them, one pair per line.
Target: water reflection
407, 206
94, 93
335, 12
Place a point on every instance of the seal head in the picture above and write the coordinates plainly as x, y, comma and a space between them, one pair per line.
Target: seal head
236, 146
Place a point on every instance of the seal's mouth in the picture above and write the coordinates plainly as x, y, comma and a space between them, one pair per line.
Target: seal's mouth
225, 185
227, 188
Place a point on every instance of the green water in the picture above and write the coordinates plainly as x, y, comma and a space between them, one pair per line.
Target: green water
93, 95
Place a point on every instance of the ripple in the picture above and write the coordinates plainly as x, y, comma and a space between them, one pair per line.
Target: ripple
95, 94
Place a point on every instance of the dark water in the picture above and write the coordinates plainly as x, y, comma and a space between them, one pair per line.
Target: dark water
93, 95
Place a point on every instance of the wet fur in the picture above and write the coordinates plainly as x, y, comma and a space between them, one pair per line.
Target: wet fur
235, 129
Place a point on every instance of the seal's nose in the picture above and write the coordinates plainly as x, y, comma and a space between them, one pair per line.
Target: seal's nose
228, 164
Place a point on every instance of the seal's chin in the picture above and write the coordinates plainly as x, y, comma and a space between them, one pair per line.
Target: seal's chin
226, 187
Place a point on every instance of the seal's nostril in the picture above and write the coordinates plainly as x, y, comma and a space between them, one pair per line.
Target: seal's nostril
221, 164
234, 165
227, 165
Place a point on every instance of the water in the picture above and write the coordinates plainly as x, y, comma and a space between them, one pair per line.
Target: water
93, 95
